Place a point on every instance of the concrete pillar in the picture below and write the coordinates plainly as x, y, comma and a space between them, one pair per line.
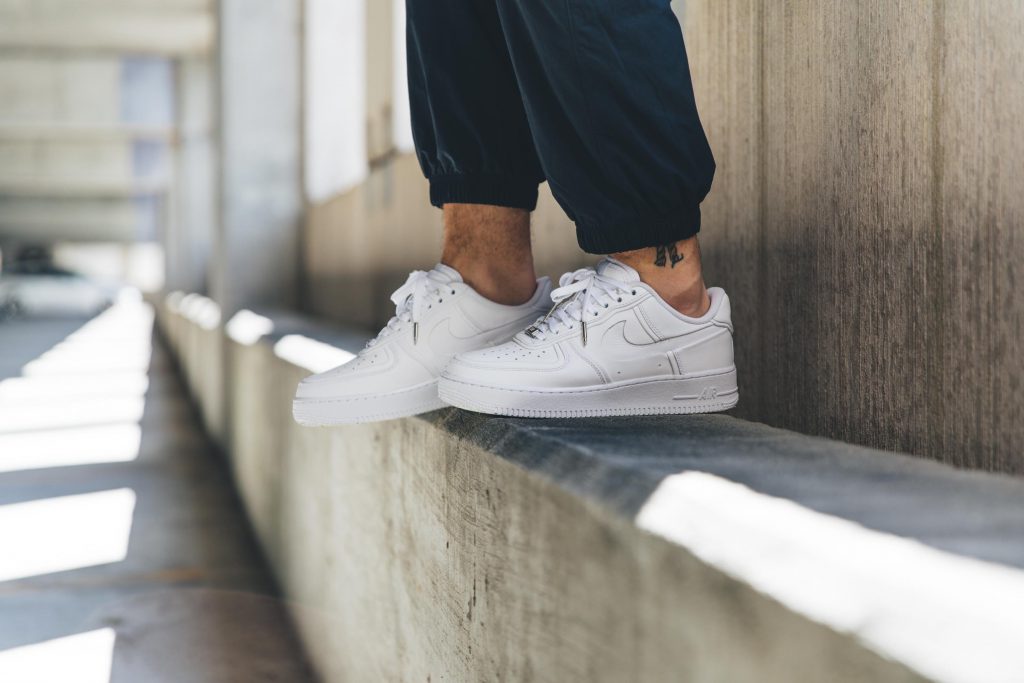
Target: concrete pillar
256, 244
193, 204
335, 97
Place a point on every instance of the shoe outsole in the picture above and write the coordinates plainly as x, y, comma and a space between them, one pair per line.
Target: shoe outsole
333, 412
709, 394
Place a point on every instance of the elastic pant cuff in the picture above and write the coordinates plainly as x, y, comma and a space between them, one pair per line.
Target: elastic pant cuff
494, 190
612, 237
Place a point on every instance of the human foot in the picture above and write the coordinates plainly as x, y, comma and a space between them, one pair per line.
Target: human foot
437, 315
610, 346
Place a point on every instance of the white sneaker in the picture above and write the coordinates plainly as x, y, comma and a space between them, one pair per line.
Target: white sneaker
610, 346
437, 315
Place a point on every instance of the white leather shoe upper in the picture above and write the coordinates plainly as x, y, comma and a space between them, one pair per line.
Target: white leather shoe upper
437, 315
607, 326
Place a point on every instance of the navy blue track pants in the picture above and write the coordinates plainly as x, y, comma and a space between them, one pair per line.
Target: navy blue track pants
593, 96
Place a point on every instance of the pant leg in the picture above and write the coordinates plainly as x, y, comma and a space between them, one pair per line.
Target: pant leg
606, 84
469, 126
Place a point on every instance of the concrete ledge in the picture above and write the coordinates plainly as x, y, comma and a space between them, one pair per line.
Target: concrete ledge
463, 547
192, 326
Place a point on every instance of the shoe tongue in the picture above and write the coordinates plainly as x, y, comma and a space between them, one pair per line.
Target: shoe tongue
616, 270
445, 274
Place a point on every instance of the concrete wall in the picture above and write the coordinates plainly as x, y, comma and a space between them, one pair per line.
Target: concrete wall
464, 547
410, 554
867, 216
866, 219
191, 324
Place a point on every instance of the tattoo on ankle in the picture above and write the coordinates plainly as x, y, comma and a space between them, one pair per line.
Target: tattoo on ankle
665, 253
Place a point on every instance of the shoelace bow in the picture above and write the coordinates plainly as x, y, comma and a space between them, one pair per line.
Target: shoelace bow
410, 300
580, 294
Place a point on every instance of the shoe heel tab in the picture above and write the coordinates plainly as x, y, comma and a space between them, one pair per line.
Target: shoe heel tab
721, 307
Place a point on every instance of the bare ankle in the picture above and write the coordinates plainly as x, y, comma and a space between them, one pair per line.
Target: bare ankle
674, 272
693, 304
508, 287
490, 247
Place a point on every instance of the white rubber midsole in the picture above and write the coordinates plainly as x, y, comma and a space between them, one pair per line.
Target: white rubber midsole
323, 412
707, 393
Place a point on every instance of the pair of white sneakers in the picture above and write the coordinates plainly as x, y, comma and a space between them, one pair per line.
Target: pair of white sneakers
609, 346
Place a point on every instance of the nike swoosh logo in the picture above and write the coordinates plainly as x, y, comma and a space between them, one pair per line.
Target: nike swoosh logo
464, 332
621, 347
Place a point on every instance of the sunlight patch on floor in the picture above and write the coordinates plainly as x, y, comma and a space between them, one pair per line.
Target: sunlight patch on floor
81, 658
61, 413
70, 447
81, 402
45, 387
58, 534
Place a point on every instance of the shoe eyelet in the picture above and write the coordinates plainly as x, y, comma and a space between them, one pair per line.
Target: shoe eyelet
634, 292
606, 305
619, 299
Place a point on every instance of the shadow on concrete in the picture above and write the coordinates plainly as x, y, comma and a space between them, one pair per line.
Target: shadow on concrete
23, 339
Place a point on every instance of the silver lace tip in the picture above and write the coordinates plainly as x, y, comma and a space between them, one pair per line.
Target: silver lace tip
584, 324
415, 333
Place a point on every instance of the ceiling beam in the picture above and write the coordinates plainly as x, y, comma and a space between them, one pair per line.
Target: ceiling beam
174, 34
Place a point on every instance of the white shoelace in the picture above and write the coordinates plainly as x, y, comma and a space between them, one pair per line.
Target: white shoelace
581, 294
411, 299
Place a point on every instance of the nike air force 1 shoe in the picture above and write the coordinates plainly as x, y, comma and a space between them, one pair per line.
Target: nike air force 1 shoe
610, 346
437, 315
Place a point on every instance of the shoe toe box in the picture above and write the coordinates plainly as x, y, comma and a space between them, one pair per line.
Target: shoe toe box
514, 365
509, 357
371, 372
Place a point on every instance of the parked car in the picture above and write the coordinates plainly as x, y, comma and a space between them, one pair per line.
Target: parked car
37, 288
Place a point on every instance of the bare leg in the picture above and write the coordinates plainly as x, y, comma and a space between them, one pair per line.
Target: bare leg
674, 272
490, 247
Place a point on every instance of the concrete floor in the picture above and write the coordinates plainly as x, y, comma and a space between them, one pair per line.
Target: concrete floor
125, 556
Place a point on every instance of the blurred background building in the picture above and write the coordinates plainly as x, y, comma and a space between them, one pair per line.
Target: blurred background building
248, 166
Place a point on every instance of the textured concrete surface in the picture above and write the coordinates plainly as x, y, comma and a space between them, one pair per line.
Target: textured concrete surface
188, 598
866, 217
432, 559
466, 547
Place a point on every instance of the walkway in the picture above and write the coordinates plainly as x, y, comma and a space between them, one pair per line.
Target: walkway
124, 553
